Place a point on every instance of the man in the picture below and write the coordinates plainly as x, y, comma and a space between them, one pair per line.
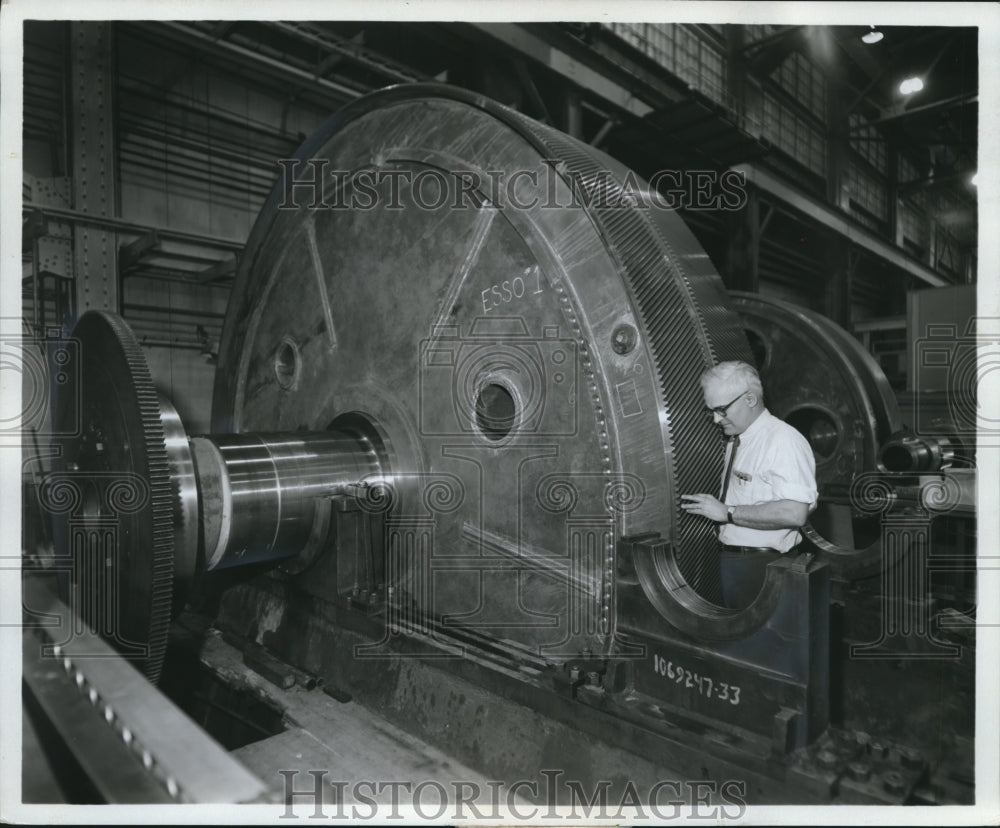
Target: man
768, 486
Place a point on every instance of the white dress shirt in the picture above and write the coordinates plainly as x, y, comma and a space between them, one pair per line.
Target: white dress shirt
773, 462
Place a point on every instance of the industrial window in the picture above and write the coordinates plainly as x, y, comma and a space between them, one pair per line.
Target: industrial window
802, 79
867, 142
681, 50
907, 171
758, 31
927, 218
945, 252
914, 226
791, 133
916, 197
867, 192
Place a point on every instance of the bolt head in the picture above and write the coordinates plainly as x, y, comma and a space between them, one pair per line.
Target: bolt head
623, 339
893, 782
911, 759
859, 771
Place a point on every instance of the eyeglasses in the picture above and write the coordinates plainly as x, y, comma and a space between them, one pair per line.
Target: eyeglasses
723, 410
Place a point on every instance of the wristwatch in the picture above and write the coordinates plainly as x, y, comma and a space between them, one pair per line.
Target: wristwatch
729, 515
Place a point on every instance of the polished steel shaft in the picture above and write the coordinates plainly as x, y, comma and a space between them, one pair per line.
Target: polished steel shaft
263, 496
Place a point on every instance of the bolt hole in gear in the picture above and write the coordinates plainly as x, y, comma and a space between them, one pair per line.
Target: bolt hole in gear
286, 363
499, 476
495, 411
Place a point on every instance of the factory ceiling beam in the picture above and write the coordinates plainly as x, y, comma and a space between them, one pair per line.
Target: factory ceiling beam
863, 94
602, 133
767, 54
122, 226
779, 37
860, 53
598, 48
219, 32
131, 254
934, 181
248, 57
936, 106
222, 29
837, 222
334, 59
225, 269
569, 68
313, 34
948, 44
524, 76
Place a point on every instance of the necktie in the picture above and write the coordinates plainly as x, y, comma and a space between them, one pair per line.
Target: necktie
729, 467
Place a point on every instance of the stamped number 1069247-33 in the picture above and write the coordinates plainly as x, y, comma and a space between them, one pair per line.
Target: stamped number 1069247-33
708, 687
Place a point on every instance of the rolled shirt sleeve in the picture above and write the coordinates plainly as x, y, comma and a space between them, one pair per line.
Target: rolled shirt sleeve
792, 472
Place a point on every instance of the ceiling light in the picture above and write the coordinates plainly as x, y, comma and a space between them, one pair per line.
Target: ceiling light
872, 36
911, 85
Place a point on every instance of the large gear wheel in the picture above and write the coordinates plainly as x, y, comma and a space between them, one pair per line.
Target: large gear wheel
120, 504
575, 382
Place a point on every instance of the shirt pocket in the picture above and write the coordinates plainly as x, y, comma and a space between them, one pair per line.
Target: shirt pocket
761, 488
742, 482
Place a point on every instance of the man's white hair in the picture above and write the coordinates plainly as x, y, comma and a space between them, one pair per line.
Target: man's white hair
736, 376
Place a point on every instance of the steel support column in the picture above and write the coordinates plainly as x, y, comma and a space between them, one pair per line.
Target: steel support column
838, 147
743, 249
841, 257
892, 187
573, 115
842, 262
94, 167
743, 227
743, 87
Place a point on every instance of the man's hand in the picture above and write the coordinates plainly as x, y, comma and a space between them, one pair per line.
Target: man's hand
706, 506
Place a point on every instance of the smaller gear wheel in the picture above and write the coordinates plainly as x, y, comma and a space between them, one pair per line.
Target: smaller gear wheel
121, 528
